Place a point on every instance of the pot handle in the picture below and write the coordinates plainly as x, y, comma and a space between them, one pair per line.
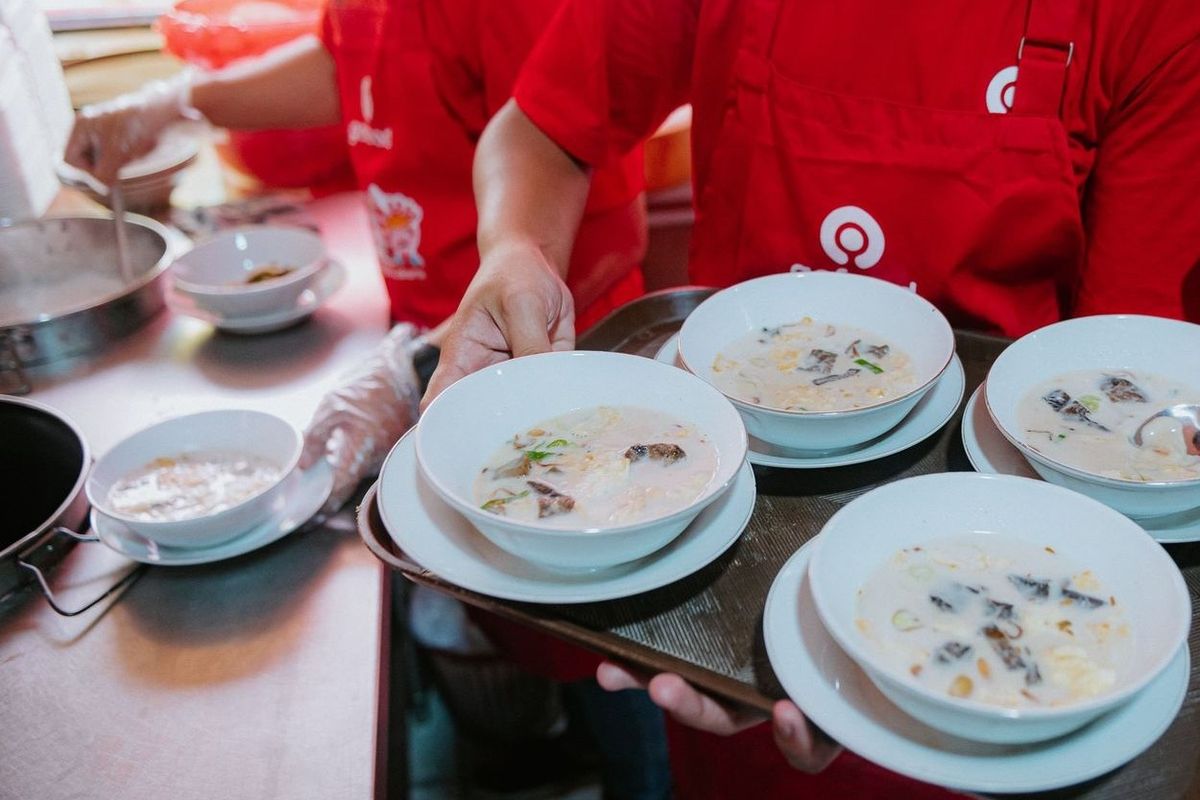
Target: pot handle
126, 580
370, 530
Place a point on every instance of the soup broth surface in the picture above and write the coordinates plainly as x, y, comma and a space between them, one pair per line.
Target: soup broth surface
811, 365
995, 619
598, 467
191, 485
1086, 419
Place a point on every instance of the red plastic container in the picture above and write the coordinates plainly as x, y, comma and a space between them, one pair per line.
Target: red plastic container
214, 33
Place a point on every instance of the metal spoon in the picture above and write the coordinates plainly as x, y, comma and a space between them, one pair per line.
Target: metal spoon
1189, 415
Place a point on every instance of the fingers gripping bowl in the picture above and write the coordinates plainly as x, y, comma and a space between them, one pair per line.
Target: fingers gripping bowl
199, 479
818, 360
1033, 609
1069, 395
594, 445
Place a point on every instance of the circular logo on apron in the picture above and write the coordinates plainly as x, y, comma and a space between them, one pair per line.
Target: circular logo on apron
851, 235
1000, 91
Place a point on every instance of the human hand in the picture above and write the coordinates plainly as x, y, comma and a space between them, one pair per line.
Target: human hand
355, 425
801, 744
109, 135
516, 305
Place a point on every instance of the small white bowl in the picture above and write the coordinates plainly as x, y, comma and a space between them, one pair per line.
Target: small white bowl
1145, 344
902, 317
242, 431
864, 534
476, 415
213, 274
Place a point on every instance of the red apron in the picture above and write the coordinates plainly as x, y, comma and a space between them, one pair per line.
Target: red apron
413, 158
977, 211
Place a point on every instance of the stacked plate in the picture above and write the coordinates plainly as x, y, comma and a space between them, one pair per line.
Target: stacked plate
147, 182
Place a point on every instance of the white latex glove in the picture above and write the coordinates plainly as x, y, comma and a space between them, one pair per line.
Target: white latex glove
109, 135
356, 425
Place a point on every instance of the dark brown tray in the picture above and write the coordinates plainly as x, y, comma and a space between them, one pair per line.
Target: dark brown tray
708, 627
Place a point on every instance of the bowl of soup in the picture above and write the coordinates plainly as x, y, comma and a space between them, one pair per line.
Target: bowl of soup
1071, 395
249, 271
997, 608
197, 480
818, 360
580, 460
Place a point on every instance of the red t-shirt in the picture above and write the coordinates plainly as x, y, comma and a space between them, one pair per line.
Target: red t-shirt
418, 81
609, 71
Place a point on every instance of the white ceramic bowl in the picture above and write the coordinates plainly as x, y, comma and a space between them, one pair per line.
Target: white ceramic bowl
1146, 344
469, 420
906, 320
864, 534
242, 431
213, 274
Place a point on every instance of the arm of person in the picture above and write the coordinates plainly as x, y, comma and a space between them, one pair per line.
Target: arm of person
1141, 208
292, 86
802, 745
530, 194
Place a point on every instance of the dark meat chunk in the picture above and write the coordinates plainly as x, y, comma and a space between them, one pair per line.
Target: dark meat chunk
942, 603
1009, 654
821, 361
660, 451
1082, 599
517, 468
1057, 399
951, 651
1121, 390
1031, 588
1033, 675
999, 610
1077, 410
552, 501
878, 350
852, 348
850, 373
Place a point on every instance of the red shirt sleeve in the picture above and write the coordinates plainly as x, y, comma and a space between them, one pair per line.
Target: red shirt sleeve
1142, 205
608, 72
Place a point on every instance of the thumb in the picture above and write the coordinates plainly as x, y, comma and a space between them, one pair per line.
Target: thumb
526, 324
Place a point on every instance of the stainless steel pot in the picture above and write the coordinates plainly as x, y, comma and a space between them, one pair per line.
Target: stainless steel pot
44, 461
61, 290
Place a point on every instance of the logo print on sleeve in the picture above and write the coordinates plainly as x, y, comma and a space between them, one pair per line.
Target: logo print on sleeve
1000, 91
396, 223
849, 235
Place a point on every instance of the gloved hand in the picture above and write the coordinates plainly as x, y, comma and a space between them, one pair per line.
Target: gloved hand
356, 425
109, 135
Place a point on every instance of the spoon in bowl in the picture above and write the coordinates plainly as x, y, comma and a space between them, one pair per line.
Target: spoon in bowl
1189, 415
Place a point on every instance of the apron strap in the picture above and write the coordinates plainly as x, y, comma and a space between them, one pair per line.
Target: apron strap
1045, 52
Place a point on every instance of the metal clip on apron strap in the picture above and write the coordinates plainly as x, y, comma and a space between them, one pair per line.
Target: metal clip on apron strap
1045, 52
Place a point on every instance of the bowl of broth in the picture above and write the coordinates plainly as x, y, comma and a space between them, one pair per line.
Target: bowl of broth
1071, 395
818, 361
249, 271
998, 608
580, 460
197, 480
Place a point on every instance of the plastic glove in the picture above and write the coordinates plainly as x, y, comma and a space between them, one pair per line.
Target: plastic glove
109, 135
804, 747
356, 425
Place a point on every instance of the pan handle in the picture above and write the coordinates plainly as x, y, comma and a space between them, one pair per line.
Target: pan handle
126, 580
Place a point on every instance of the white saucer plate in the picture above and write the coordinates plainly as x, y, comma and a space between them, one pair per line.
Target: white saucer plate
298, 504
328, 281
928, 416
441, 540
836, 695
989, 452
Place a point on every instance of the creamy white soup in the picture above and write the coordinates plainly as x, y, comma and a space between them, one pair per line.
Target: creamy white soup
811, 365
191, 485
997, 620
598, 467
1086, 419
